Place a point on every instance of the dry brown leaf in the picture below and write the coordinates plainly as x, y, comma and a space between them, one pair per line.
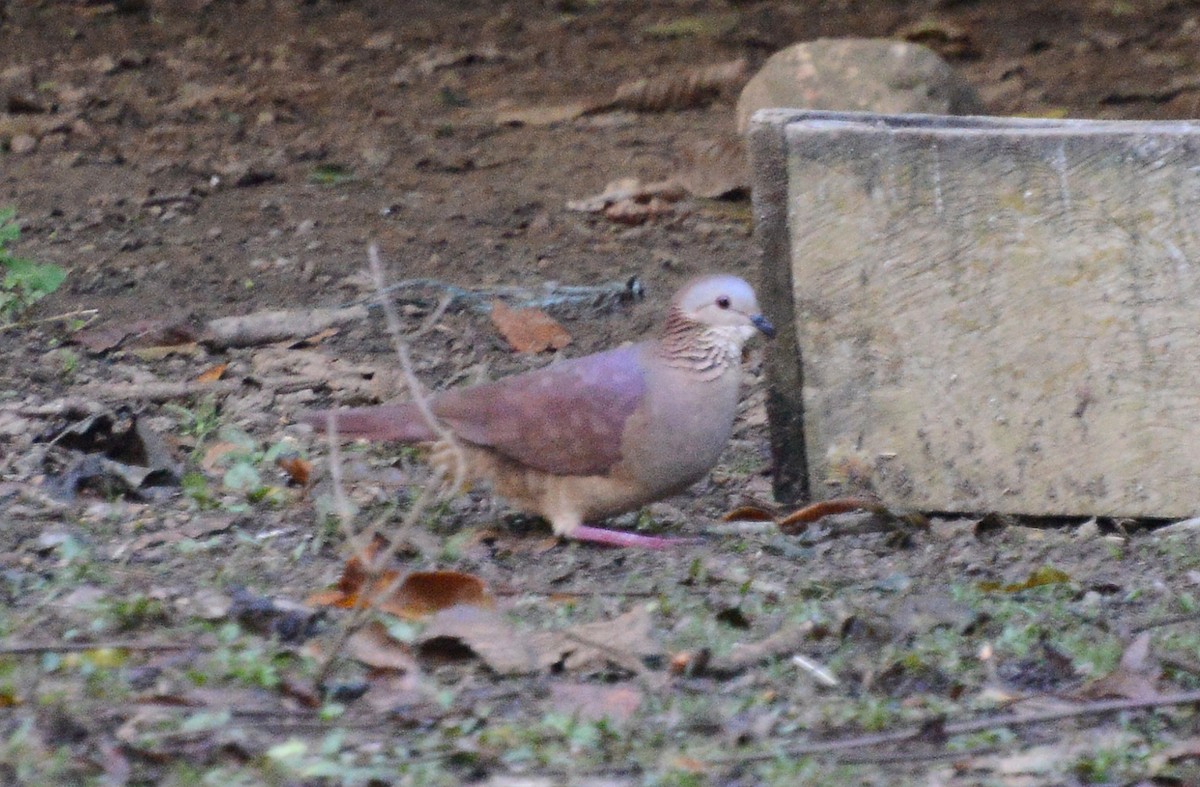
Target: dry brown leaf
487, 634
591, 702
419, 594
298, 470
1135, 678
623, 641
749, 514
212, 373
373, 646
529, 330
798, 521
681, 90
347, 379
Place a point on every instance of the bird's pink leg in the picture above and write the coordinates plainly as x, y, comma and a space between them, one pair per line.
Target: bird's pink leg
620, 538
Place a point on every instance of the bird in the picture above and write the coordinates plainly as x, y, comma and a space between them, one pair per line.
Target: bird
591, 437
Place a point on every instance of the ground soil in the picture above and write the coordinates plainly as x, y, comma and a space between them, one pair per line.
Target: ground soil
210, 157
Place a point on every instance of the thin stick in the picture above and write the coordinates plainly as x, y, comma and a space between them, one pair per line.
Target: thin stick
417, 509
549, 296
963, 727
89, 313
1167, 621
33, 648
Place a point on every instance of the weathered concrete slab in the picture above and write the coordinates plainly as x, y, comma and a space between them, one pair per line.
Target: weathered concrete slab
992, 314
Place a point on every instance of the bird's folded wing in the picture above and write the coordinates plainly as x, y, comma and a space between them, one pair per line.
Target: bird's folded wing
567, 418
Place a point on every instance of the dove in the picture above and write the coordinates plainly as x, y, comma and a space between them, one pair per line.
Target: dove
599, 435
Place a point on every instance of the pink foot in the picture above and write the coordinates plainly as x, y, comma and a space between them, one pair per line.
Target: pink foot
619, 538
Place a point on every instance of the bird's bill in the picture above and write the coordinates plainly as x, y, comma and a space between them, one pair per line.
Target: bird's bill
764, 325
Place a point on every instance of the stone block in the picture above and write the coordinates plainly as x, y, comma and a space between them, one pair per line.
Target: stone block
983, 314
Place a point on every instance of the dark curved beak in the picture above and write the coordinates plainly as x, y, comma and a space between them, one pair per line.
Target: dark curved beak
764, 325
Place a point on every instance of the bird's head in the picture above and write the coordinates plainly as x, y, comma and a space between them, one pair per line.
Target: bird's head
725, 303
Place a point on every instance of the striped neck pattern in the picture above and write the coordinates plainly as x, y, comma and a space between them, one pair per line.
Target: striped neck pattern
708, 350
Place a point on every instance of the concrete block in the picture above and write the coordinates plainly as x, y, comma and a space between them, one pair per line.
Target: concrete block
983, 314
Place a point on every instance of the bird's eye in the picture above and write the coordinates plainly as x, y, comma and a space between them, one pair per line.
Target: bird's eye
723, 302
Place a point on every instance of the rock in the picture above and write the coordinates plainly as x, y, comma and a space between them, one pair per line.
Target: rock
857, 74
23, 143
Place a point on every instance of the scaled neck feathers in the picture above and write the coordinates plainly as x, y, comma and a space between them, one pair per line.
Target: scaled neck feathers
708, 350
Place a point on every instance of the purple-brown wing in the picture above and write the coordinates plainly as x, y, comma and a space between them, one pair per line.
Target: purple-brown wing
565, 419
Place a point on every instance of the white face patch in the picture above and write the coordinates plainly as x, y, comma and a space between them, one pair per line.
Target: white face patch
728, 339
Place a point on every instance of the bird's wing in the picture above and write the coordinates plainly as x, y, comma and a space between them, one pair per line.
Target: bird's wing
566, 418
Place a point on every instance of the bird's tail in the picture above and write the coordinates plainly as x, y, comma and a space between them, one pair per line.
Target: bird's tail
390, 422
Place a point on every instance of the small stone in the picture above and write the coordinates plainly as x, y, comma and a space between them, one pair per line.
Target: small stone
857, 74
22, 144
379, 42
105, 64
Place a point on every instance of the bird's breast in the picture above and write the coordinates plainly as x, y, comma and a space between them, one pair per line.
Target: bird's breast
677, 437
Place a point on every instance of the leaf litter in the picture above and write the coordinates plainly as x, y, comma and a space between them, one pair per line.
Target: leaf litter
445, 719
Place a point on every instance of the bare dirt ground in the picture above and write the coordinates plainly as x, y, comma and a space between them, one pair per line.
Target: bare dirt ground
184, 161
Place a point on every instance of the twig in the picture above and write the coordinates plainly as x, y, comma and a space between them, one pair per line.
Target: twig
163, 391
915, 757
29, 648
549, 296
168, 199
375, 566
90, 314
819, 672
1167, 621
962, 727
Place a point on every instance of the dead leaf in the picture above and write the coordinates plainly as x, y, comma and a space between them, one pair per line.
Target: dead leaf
798, 521
486, 634
419, 594
212, 373
1135, 678
623, 641
680, 90
529, 330
346, 379
590, 702
373, 646
298, 470
749, 514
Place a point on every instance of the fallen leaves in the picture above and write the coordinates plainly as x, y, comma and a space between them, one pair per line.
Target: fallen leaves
529, 330
484, 633
1135, 678
418, 595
